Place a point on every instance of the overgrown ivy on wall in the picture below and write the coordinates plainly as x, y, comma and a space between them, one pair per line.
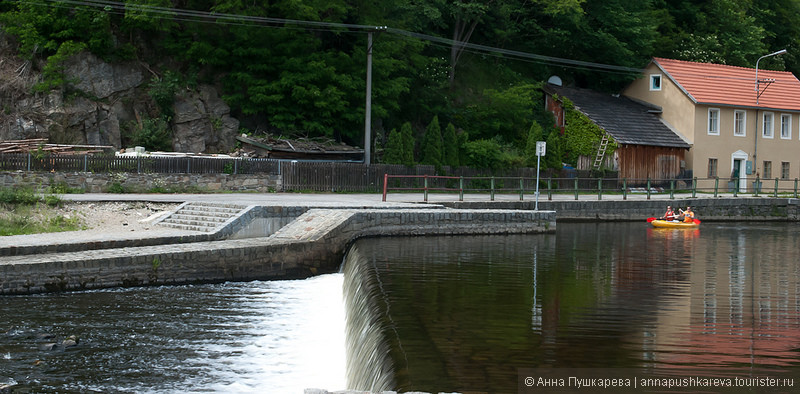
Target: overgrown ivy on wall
582, 135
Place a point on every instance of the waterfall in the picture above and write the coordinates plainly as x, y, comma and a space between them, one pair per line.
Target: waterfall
369, 365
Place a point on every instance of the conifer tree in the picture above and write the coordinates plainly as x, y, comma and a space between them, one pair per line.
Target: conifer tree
555, 151
393, 152
450, 142
535, 134
408, 144
432, 144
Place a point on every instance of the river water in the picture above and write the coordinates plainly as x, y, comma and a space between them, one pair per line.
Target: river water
457, 314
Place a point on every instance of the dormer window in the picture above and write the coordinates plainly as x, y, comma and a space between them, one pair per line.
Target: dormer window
655, 82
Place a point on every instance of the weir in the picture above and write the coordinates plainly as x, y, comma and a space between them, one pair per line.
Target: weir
314, 242
369, 366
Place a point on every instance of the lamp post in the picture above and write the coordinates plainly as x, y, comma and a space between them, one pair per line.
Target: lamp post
758, 93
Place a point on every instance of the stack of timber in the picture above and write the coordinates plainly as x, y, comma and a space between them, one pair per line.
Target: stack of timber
41, 145
297, 149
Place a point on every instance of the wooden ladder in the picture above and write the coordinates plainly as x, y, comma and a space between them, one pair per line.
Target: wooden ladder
601, 152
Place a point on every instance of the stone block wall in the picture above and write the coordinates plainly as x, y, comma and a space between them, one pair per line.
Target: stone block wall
714, 209
140, 183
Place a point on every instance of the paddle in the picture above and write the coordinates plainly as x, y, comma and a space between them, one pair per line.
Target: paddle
650, 220
696, 221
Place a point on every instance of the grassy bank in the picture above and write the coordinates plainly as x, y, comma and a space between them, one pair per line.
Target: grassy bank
24, 212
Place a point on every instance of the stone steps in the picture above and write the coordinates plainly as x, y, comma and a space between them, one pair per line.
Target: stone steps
200, 216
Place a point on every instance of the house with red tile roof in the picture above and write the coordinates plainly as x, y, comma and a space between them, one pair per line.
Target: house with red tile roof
739, 129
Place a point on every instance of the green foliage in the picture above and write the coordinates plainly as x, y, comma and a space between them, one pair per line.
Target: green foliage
450, 147
153, 134
53, 200
228, 168
53, 71
535, 135
116, 188
22, 211
63, 188
484, 154
554, 156
18, 195
726, 33
311, 83
432, 144
162, 90
408, 144
506, 113
582, 136
393, 152
34, 219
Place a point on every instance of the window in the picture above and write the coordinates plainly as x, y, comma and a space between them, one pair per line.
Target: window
767, 169
739, 123
784, 170
766, 131
786, 127
655, 82
713, 121
712, 168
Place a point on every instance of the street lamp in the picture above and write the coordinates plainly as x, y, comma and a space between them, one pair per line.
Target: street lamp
767, 81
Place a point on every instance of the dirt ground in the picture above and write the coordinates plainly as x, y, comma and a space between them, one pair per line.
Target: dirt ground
116, 216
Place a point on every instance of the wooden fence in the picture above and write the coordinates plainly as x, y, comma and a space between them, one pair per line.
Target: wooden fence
295, 175
141, 164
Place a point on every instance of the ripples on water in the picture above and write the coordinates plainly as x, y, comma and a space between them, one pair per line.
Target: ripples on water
458, 314
276, 337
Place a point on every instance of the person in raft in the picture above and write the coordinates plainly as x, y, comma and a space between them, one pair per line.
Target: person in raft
669, 215
686, 216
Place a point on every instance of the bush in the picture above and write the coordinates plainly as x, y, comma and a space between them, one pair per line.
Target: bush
23, 195
52, 200
153, 134
117, 188
484, 154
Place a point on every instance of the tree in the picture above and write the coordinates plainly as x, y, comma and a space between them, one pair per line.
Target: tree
504, 113
484, 154
450, 145
408, 144
394, 151
717, 31
432, 144
555, 150
535, 135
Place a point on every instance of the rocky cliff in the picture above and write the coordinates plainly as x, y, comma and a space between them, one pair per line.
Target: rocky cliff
102, 102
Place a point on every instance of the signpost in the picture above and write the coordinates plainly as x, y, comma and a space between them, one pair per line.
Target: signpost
541, 147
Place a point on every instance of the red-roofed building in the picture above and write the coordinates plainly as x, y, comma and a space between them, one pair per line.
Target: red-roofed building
735, 131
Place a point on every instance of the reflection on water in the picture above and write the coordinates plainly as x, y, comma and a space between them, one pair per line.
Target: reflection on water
276, 337
457, 314
467, 312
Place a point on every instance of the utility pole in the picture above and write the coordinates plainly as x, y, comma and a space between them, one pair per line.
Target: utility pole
368, 109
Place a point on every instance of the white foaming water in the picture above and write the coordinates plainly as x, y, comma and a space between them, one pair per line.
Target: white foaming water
294, 339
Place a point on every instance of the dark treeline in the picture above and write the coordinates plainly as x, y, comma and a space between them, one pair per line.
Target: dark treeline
484, 107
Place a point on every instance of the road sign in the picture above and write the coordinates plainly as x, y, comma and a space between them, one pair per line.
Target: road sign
541, 147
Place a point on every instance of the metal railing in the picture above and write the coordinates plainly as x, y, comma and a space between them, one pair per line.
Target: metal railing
576, 187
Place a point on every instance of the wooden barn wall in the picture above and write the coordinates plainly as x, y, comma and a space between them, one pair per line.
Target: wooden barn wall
654, 162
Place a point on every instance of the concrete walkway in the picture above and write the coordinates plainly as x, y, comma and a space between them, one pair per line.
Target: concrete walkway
355, 200
45, 243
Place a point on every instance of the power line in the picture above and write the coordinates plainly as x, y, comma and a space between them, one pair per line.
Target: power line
237, 19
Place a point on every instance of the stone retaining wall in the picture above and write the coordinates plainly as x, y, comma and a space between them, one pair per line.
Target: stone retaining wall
314, 243
90, 182
712, 209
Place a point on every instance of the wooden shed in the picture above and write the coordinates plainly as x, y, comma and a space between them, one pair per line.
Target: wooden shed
647, 147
